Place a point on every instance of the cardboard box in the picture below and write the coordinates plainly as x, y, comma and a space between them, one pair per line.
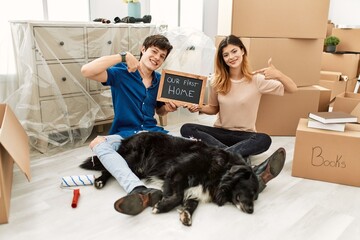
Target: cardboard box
346, 102
300, 59
280, 18
325, 98
356, 112
14, 147
351, 84
330, 75
336, 87
347, 64
327, 155
329, 28
279, 115
349, 39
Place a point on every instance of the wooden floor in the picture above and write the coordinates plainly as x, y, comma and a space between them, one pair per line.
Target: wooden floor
289, 208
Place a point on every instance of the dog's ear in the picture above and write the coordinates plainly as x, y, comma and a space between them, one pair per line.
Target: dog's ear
223, 191
235, 169
241, 171
220, 158
221, 197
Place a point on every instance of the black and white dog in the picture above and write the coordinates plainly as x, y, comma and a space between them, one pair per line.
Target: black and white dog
185, 165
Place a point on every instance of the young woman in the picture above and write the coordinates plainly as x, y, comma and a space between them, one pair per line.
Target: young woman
234, 96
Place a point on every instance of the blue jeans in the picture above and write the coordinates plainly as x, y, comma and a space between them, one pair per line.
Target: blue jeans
240, 142
115, 163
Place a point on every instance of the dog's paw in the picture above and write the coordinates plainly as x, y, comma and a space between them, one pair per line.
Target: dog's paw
185, 217
98, 184
155, 210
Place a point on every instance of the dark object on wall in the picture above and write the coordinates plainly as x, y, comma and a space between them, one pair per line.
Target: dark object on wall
103, 20
144, 19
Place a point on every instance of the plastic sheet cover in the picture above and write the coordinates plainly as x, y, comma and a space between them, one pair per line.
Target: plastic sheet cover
193, 52
56, 105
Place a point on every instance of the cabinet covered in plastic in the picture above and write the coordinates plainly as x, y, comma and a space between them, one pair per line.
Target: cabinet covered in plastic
57, 106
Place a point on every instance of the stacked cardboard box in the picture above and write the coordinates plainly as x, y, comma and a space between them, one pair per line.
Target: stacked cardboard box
279, 115
280, 18
349, 39
346, 64
327, 155
330, 26
334, 81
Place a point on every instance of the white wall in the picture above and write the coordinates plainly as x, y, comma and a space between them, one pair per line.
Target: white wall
224, 17
217, 13
345, 12
210, 18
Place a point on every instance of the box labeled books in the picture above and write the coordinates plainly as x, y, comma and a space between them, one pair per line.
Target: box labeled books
328, 156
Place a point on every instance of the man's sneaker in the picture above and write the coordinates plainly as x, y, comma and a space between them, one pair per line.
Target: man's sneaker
137, 200
270, 168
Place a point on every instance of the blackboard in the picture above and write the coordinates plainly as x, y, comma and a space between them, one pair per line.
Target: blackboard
182, 88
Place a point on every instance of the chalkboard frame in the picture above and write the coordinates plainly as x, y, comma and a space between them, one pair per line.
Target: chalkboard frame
165, 72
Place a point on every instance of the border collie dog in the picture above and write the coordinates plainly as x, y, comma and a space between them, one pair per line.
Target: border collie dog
185, 166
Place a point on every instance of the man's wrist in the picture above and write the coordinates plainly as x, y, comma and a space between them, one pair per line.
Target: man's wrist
123, 56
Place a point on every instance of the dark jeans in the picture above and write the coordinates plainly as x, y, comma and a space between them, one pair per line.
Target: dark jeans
240, 142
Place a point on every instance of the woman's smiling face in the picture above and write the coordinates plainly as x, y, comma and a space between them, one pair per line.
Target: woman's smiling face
232, 55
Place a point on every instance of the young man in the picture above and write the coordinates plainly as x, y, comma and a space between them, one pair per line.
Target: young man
134, 86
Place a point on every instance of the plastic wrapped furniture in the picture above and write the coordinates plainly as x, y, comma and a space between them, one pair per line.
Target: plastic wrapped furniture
56, 105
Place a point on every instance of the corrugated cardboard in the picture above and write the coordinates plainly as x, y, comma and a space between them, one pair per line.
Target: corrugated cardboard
349, 39
346, 102
325, 98
329, 29
351, 84
327, 155
300, 59
336, 87
280, 18
14, 147
347, 64
356, 112
330, 75
279, 115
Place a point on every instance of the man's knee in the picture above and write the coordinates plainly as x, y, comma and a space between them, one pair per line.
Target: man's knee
96, 141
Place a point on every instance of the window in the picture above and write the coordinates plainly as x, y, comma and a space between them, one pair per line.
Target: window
180, 13
68, 10
165, 12
64, 10
191, 14
12, 11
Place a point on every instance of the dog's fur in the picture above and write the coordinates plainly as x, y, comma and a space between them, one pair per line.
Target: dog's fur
184, 164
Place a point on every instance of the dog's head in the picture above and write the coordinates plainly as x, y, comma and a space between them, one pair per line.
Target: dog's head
240, 186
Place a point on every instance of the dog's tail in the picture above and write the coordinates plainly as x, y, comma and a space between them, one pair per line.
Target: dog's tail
92, 163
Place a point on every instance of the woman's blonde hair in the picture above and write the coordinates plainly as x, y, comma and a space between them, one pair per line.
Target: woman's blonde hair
222, 75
